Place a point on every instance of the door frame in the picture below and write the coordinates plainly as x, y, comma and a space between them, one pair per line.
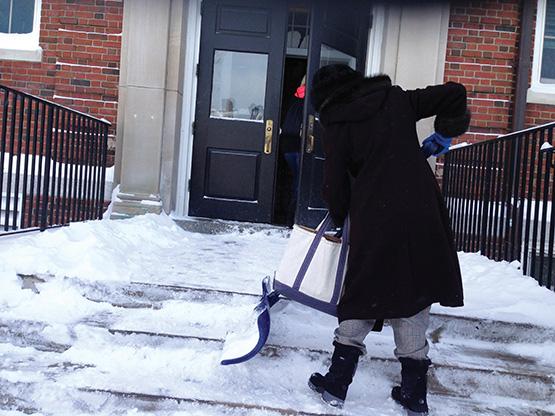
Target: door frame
188, 111
311, 207
190, 81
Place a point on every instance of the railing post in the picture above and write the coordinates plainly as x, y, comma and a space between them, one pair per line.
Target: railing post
485, 205
549, 282
516, 205
3, 141
103, 165
10, 162
47, 160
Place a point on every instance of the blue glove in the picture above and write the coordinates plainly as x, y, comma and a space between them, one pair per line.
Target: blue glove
435, 144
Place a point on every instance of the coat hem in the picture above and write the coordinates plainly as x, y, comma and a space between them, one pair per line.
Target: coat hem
407, 313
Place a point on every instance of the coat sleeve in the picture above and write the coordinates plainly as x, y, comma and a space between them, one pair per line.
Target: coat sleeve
447, 102
337, 185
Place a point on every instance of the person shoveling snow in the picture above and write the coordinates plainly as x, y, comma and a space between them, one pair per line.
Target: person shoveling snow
402, 257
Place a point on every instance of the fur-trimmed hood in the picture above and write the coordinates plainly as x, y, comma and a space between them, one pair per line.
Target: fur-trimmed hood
356, 100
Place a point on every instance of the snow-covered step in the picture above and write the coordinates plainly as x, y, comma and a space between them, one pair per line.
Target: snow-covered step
128, 319
455, 380
211, 314
29, 334
165, 368
112, 402
143, 295
84, 401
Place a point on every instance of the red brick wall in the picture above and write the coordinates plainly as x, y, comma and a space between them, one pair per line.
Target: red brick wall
482, 54
81, 42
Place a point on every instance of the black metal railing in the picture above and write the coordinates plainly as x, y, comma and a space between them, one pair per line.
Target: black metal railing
500, 195
52, 163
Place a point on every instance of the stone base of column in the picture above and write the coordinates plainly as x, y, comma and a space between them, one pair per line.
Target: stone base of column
130, 205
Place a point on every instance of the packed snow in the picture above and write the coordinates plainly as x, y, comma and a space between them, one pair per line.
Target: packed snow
104, 290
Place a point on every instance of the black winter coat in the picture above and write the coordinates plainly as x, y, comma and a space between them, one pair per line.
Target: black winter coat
402, 256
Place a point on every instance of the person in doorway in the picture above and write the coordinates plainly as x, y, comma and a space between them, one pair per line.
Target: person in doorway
290, 145
402, 257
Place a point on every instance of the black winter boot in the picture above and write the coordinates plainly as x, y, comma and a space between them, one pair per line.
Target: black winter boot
411, 394
333, 386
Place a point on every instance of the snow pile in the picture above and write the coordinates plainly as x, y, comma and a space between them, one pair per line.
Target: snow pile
93, 251
498, 290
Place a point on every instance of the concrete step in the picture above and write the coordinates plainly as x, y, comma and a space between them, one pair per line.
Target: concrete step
87, 389
99, 401
143, 295
477, 363
453, 380
481, 344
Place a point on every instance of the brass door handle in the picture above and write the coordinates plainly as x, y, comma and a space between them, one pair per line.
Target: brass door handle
310, 135
268, 134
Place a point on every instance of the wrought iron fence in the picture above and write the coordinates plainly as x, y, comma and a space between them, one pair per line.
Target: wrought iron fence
53, 163
500, 196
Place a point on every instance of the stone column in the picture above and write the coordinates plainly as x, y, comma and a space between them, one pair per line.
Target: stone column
150, 101
414, 47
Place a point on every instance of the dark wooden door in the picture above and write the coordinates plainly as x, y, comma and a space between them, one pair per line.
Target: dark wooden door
238, 100
339, 34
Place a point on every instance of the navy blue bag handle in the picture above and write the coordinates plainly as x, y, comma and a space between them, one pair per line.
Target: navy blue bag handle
312, 251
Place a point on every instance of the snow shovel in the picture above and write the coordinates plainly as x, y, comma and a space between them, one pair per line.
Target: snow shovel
245, 343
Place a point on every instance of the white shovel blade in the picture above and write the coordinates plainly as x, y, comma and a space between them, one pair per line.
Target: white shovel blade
246, 341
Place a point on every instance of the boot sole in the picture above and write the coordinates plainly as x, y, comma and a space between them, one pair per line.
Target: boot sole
328, 398
400, 403
413, 413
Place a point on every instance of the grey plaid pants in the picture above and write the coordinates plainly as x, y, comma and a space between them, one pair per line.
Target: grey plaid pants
409, 334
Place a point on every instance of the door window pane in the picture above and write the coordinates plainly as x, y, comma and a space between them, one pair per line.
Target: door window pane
298, 31
548, 55
239, 85
331, 56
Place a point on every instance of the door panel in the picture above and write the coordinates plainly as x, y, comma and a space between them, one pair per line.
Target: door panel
219, 184
239, 85
339, 34
241, 20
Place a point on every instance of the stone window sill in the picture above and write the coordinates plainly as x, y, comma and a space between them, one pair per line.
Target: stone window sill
540, 96
28, 55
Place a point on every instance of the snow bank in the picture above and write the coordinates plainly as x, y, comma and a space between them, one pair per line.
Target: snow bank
498, 290
94, 250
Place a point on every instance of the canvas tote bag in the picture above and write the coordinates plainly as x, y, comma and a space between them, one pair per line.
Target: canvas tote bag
313, 267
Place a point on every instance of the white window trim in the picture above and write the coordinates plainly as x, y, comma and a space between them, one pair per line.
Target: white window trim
23, 46
540, 93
